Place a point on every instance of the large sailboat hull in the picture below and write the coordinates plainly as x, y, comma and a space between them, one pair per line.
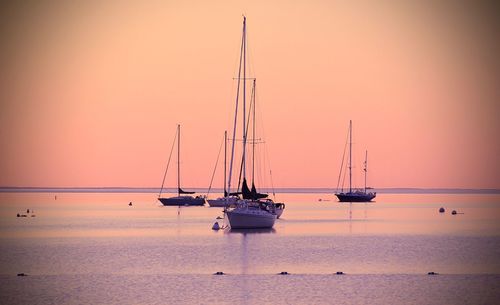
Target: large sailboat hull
250, 218
355, 197
182, 201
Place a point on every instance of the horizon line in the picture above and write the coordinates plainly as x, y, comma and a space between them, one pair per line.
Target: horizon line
125, 189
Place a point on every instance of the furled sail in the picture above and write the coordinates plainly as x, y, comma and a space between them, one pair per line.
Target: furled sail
181, 191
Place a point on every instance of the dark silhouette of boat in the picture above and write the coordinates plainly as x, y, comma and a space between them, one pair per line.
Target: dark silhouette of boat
183, 197
355, 195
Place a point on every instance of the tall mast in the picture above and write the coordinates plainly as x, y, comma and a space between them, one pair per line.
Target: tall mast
236, 110
244, 96
350, 156
179, 160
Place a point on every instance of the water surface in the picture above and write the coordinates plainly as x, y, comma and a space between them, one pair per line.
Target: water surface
93, 248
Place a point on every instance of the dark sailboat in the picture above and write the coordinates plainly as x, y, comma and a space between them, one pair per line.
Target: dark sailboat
183, 197
355, 195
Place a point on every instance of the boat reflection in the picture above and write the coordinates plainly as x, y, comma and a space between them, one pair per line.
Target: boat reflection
249, 231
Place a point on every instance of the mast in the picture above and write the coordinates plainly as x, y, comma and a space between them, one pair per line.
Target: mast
236, 110
179, 160
366, 166
244, 96
350, 156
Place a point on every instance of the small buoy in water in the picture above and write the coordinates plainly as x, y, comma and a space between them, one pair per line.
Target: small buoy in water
18, 215
441, 210
216, 226
432, 273
453, 212
283, 273
339, 273
219, 273
22, 274
130, 204
28, 211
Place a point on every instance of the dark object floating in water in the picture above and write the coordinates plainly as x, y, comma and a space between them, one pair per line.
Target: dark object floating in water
22, 274
219, 273
130, 204
441, 210
283, 273
432, 273
218, 217
453, 212
340, 272
216, 226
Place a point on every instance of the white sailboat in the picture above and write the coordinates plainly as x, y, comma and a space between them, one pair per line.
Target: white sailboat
183, 197
248, 213
355, 195
255, 198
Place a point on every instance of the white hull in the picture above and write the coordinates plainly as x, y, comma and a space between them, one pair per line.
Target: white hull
250, 218
222, 202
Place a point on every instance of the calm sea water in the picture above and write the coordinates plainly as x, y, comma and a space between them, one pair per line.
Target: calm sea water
92, 248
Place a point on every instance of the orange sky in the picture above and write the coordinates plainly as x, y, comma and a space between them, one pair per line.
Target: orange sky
91, 92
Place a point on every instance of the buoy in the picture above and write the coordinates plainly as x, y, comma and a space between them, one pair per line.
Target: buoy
219, 273
130, 204
340, 272
432, 273
22, 274
453, 212
441, 210
18, 215
283, 273
216, 226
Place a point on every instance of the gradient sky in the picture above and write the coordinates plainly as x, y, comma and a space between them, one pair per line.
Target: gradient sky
91, 91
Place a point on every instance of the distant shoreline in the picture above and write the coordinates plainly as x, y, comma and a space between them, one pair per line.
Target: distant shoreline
217, 190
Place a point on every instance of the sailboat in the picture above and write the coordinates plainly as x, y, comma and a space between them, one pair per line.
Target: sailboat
183, 197
254, 197
355, 195
226, 199
248, 213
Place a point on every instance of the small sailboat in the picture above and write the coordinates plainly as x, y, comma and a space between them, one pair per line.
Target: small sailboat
183, 197
355, 195
226, 199
248, 213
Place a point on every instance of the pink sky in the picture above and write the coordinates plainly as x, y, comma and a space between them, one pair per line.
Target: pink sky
91, 93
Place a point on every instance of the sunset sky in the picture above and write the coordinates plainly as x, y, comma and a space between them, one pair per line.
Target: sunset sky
91, 92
